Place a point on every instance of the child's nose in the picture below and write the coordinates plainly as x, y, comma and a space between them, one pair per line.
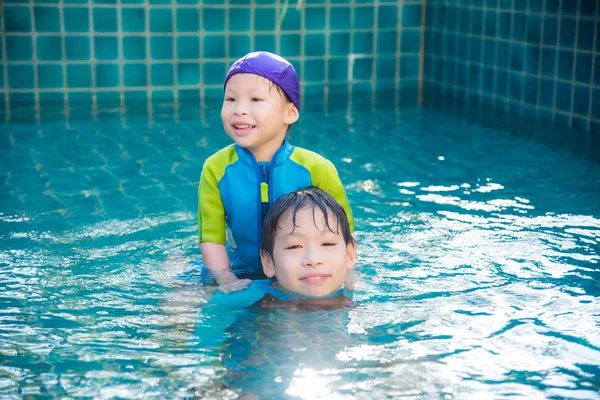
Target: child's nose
240, 108
312, 257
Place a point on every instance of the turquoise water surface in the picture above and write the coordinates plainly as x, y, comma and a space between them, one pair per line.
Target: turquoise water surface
479, 245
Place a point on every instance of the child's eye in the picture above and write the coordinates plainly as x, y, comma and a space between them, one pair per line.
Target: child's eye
231, 99
293, 247
329, 244
255, 99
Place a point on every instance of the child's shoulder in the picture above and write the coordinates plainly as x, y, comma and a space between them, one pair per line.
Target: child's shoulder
222, 158
309, 158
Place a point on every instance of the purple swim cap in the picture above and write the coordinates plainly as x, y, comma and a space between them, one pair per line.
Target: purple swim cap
271, 66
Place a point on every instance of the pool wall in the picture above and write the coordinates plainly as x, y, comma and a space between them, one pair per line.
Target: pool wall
108, 53
532, 57
535, 57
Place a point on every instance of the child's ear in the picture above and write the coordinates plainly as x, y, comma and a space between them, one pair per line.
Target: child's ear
291, 114
267, 264
351, 255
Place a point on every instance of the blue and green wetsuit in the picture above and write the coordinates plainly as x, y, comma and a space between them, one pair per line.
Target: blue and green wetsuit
236, 191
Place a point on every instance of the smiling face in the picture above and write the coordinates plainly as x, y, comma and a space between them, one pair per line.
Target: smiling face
255, 115
309, 259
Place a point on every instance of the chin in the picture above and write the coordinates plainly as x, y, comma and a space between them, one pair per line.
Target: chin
319, 292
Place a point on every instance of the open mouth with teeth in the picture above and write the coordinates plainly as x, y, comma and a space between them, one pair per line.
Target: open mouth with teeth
242, 129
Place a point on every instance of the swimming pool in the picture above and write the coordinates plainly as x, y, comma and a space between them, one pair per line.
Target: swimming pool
478, 241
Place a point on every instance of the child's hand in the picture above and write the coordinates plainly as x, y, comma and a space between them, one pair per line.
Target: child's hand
234, 286
229, 283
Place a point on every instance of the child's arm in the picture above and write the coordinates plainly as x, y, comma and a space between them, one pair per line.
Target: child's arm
211, 226
221, 311
328, 179
324, 175
215, 258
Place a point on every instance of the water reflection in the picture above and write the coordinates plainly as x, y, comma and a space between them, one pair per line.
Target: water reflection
478, 266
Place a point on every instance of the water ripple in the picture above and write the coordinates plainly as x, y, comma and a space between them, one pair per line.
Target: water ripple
478, 267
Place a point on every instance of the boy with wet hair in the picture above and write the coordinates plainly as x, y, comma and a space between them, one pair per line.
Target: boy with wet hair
240, 182
306, 249
307, 244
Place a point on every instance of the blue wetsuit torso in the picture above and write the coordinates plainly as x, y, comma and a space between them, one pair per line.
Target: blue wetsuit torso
236, 191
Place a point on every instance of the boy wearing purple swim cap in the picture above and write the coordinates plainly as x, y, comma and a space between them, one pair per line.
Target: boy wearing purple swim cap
240, 182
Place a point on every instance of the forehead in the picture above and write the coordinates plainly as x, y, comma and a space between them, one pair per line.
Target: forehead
306, 217
248, 81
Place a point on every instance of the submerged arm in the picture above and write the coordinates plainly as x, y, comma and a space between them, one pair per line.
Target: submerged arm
222, 310
216, 259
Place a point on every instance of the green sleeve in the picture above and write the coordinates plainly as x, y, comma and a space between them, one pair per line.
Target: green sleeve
211, 213
325, 176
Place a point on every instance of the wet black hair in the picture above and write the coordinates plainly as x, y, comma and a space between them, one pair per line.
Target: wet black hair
289, 205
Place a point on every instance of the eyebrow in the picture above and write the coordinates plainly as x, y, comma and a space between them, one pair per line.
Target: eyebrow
292, 234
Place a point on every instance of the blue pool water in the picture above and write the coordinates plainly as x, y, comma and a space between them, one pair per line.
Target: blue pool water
479, 263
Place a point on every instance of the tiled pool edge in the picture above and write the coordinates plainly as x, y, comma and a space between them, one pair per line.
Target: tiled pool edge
533, 67
338, 49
